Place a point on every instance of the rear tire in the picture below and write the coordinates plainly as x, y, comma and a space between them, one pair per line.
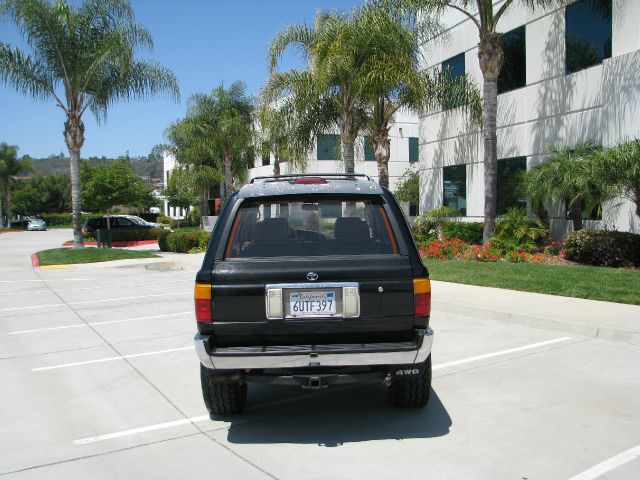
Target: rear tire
412, 392
222, 398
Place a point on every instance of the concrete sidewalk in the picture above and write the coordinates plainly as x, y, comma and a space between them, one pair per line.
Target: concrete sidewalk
592, 318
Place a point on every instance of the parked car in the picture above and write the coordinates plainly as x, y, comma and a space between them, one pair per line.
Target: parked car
312, 281
117, 222
37, 224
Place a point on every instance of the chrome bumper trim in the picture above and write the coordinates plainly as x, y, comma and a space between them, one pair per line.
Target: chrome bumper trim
318, 357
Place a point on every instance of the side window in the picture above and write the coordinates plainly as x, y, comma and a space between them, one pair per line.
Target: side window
369, 154
587, 34
454, 188
514, 71
328, 147
414, 150
455, 67
509, 189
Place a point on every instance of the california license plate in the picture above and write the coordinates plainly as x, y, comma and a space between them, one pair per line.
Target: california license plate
312, 304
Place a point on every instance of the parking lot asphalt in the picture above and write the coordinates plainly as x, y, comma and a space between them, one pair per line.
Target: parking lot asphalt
99, 379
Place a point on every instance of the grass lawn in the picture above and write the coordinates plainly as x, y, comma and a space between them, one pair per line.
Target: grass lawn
596, 283
63, 256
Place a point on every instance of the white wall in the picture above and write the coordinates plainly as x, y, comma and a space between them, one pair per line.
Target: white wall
601, 103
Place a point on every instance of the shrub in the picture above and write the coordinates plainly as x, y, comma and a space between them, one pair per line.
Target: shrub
469, 232
429, 225
163, 219
163, 240
184, 241
602, 247
516, 227
63, 219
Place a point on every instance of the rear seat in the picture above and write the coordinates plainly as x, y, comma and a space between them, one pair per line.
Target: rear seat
272, 237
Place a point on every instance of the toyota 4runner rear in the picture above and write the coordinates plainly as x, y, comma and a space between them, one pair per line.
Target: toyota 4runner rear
312, 281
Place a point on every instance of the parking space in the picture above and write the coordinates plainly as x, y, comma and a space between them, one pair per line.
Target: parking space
100, 380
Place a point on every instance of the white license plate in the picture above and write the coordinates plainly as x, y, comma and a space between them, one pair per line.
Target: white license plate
312, 304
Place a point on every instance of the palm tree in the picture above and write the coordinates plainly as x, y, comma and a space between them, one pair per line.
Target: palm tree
619, 168
330, 91
82, 58
568, 175
10, 166
393, 78
218, 131
277, 136
485, 16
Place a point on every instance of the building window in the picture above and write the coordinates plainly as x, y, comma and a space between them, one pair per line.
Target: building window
168, 173
369, 154
266, 154
587, 34
454, 188
510, 195
514, 70
455, 68
414, 150
328, 146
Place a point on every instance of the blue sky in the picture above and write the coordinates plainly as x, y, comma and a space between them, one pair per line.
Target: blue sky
204, 42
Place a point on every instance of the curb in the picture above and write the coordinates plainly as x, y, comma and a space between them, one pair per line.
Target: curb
542, 322
35, 261
134, 243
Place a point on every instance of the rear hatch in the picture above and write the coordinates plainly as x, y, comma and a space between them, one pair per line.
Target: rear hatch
306, 271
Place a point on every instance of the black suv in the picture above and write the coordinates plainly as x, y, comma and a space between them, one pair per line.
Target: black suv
312, 281
117, 222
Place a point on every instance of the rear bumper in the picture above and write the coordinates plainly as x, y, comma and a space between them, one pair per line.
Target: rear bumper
342, 355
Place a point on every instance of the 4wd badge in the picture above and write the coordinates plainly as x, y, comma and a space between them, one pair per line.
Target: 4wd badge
407, 371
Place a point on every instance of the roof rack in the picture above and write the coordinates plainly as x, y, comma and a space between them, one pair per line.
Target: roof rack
293, 176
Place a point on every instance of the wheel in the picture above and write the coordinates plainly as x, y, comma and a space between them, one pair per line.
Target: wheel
222, 398
412, 391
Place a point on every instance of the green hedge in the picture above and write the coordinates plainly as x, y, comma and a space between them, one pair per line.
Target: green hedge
469, 232
602, 247
183, 242
64, 219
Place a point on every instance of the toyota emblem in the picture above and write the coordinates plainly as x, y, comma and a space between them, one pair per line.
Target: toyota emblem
312, 276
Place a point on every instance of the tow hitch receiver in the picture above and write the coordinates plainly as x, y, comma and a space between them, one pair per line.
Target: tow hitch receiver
315, 382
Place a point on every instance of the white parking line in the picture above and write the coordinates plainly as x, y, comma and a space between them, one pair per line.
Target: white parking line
500, 353
111, 359
609, 464
48, 329
94, 301
160, 426
133, 431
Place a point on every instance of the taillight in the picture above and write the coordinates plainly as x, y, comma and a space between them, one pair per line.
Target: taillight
421, 297
202, 297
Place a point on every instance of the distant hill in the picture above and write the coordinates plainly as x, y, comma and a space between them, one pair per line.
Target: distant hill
147, 167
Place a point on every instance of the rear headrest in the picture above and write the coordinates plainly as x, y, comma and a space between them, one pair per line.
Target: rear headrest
272, 230
351, 229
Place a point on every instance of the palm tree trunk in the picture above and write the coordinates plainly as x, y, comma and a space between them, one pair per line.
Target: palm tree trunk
576, 215
74, 138
228, 177
348, 156
203, 206
348, 134
491, 58
382, 150
276, 161
7, 202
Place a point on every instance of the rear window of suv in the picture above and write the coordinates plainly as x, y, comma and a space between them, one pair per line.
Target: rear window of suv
310, 227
